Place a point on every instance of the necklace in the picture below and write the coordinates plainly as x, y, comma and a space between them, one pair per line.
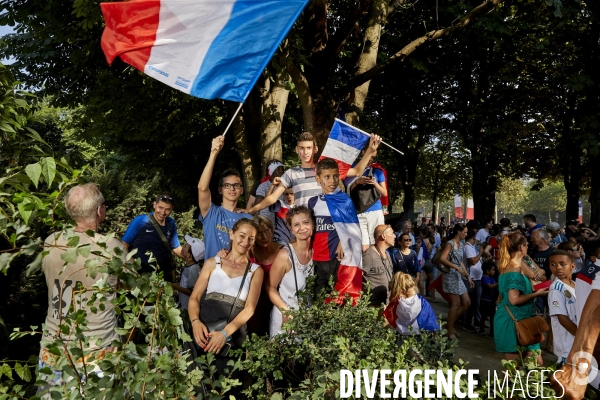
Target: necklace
234, 265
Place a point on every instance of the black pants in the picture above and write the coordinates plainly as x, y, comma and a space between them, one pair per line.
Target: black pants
324, 270
488, 309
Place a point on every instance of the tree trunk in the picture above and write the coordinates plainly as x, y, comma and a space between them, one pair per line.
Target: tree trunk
249, 158
483, 188
572, 176
274, 104
594, 198
367, 59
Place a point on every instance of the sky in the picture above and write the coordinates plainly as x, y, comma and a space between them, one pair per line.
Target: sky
3, 31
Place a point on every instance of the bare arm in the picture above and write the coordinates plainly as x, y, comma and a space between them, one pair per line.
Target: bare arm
567, 324
251, 201
204, 198
516, 298
267, 201
359, 168
475, 260
181, 289
280, 267
200, 331
177, 252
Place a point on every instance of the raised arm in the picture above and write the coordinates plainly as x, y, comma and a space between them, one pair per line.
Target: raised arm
267, 201
204, 198
359, 168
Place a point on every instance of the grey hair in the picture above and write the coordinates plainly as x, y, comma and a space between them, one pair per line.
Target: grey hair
543, 234
403, 224
82, 202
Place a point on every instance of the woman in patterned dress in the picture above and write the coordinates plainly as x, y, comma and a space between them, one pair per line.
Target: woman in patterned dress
452, 257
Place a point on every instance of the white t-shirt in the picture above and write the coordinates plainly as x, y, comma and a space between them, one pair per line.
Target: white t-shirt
475, 270
561, 300
482, 235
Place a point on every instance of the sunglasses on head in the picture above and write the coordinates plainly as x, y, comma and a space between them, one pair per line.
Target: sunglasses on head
162, 197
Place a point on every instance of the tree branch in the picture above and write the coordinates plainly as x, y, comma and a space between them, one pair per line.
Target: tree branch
339, 39
400, 56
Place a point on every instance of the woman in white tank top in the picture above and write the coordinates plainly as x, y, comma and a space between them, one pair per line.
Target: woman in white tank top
291, 268
221, 279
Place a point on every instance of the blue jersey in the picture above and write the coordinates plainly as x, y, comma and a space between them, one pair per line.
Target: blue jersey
217, 223
142, 235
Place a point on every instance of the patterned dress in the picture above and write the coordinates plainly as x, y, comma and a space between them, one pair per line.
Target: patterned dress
505, 333
452, 281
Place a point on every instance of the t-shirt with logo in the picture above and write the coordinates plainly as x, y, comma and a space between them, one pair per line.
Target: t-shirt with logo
542, 259
587, 280
281, 233
73, 277
561, 301
303, 182
326, 238
141, 235
217, 223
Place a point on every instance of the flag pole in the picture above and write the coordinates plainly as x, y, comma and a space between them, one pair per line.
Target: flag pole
368, 134
234, 115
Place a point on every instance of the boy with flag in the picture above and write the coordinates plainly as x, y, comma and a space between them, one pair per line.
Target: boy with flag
337, 248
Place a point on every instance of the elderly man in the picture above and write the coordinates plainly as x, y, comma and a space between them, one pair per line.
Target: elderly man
65, 280
377, 265
541, 256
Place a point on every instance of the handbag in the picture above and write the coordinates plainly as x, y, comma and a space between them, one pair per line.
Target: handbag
307, 298
529, 330
437, 260
220, 324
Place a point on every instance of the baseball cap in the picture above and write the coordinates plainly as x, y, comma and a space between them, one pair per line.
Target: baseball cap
571, 222
553, 226
274, 166
197, 247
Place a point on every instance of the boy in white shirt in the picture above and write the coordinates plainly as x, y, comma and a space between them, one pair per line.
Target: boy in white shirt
561, 300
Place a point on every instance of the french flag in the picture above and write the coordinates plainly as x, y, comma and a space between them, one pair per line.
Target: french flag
345, 221
344, 145
206, 48
470, 210
411, 315
458, 210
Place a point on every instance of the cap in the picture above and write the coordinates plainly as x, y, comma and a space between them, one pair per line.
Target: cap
273, 166
553, 226
197, 245
571, 222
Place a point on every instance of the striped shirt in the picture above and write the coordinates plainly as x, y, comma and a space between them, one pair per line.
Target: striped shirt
303, 182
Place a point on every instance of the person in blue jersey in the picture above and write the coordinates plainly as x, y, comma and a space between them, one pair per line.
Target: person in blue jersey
142, 234
219, 220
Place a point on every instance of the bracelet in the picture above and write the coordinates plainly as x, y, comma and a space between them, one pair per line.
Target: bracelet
195, 319
227, 338
578, 368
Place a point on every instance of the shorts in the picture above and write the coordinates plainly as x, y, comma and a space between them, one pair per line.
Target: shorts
369, 220
428, 267
324, 271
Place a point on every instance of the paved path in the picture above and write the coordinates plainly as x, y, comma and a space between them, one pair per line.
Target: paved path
479, 351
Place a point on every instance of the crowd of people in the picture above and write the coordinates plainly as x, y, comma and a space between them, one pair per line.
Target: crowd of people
252, 264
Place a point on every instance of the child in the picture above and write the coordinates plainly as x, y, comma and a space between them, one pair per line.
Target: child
192, 252
489, 296
408, 312
561, 300
337, 250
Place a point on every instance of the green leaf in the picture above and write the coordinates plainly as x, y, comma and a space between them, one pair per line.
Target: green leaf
174, 317
84, 251
73, 241
70, 256
20, 371
48, 169
24, 211
6, 370
34, 171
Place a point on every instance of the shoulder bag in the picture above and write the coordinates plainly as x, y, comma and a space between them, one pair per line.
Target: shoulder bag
437, 259
307, 298
220, 324
173, 265
529, 330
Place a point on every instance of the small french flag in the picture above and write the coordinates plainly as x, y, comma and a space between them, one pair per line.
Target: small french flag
344, 145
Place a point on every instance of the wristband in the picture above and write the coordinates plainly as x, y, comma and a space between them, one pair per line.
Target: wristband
227, 338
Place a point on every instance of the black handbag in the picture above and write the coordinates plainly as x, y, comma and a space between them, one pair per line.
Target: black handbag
220, 324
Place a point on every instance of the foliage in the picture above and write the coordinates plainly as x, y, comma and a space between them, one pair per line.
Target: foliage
510, 197
550, 197
325, 338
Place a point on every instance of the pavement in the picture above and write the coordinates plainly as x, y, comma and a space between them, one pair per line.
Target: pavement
478, 350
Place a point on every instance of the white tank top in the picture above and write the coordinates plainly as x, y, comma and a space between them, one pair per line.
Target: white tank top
219, 282
287, 287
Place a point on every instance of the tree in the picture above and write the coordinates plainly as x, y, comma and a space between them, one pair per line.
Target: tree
545, 197
510, 197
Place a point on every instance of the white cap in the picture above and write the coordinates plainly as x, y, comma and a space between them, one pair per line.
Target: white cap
197, 247
274, 166
553, 226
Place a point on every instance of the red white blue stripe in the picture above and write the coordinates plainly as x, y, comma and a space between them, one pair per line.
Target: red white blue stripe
206, 48
344, 145
345, 220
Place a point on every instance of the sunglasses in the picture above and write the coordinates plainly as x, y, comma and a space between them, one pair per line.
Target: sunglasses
168, 199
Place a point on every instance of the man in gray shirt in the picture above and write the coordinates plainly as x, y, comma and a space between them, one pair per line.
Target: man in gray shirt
377, 265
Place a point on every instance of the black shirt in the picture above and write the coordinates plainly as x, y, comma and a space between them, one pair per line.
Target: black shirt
542, 259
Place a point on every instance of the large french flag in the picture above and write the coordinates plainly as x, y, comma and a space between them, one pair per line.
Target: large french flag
206, 48
458, 210
344, 145
345, 221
